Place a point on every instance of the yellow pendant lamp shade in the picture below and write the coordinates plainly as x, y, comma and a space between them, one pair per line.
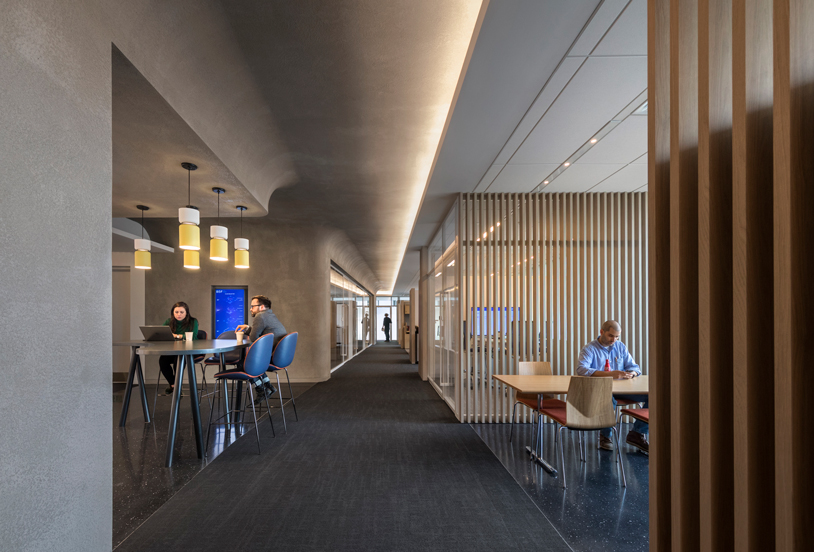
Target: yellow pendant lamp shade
189, 233
241, 258
142, 259
241, 245
192, 259
218, 246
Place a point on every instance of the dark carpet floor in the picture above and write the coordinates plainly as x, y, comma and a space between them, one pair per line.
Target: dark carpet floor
376, 462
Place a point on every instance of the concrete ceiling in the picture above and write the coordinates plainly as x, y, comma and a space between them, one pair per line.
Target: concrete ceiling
150, 141
532, 100
360, 91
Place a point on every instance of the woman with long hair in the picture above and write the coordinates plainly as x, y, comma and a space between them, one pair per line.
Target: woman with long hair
180, 322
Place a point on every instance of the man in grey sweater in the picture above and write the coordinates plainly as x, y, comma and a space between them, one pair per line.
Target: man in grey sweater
265, 322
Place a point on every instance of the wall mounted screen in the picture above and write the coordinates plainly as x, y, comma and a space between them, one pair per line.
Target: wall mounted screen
230, 307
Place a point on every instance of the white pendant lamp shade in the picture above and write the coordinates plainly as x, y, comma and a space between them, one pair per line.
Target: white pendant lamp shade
218, 246
142, 254
142, 259
241, 245
189, 234
192, 259
241, 253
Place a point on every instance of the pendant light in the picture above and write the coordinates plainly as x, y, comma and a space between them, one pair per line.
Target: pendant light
241, 245
218, 246
188, 233
142, 260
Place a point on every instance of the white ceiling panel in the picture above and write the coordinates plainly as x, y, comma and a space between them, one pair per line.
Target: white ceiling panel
628, 179
520, 178
628, 36
549, 93
624, 144
602, 20
487, 179
599, 90
581, 178
641, 160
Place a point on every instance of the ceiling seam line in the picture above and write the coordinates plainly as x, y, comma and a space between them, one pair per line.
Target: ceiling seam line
548, 80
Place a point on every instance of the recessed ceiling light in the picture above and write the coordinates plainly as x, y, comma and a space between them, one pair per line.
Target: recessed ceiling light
492, 229
477, 239
498, 224
593, 140
452, 263
437, 275
566, 164
545, 181
485, 234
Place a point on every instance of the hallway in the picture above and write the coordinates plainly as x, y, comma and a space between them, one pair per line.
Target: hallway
376, 462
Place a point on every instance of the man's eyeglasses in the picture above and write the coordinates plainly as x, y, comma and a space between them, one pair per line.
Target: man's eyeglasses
253, 306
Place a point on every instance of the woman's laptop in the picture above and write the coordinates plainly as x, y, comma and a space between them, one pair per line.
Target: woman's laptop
157, 333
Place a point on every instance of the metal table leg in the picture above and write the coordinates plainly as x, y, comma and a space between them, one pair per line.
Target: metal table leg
135, 371
224, 395
196, 410
537, 455
176, 402
140, 373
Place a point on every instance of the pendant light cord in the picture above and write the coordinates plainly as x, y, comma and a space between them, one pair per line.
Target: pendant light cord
189, 186
142, 224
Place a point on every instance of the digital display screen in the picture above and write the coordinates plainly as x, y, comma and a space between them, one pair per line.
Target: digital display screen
229, 307
491, 321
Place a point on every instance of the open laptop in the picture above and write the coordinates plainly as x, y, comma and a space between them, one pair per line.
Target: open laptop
157, 333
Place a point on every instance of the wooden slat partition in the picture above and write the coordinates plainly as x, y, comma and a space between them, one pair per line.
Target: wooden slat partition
546, 270
731, 220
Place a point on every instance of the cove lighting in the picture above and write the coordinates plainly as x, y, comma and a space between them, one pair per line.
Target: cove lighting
443, 72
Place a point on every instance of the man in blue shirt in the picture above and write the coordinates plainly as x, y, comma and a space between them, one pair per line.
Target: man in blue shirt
607, 350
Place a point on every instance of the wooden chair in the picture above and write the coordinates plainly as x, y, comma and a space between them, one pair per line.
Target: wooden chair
530, 399
588, 407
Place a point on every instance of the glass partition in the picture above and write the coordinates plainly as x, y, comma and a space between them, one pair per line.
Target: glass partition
350, 318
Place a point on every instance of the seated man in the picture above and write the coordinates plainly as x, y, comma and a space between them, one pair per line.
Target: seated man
265, 322
607, 357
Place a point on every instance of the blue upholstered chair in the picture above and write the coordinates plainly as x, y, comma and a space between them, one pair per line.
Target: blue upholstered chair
257, 360
281, 359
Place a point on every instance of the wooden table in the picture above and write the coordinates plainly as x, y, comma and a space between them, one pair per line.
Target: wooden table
185, 350
558, 385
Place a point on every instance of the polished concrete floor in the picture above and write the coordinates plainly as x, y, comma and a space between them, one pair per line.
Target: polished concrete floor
594, 512
141, 483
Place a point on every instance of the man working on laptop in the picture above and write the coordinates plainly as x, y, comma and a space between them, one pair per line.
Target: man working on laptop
264, 322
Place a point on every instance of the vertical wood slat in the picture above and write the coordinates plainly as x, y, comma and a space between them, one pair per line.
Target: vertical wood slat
793, 269
716, 484
684, 273
658, 122
753, 347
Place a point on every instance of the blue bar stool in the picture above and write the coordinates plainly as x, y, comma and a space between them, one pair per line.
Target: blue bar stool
257, 360
281, 359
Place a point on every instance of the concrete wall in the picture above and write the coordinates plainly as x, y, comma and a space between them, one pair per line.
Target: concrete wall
290, 264
55, 279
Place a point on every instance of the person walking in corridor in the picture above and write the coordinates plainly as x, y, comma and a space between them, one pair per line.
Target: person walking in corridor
386, 328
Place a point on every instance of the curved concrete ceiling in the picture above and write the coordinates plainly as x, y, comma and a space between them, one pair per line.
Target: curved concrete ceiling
150, 141
360, 91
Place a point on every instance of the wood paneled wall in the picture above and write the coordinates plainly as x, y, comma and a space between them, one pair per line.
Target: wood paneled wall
542, 272
731, 180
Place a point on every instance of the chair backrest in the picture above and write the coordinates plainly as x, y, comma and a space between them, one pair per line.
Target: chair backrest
284, 350
534, 369
589, 404
259, 355
199, 358
542, 368
233, 356
228, 335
